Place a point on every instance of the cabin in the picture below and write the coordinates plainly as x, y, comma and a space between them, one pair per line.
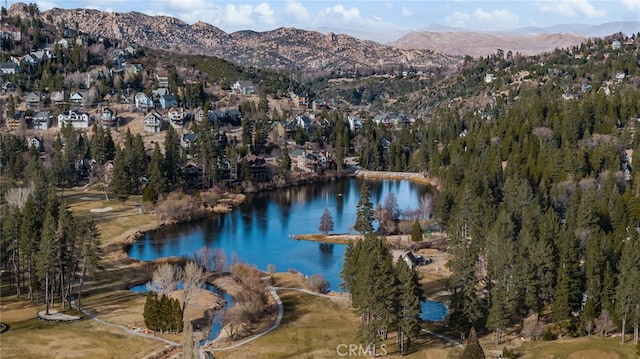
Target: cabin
412, 260
108, 118
41, 120
153, 122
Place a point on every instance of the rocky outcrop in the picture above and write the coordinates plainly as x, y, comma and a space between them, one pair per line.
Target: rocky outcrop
282, 48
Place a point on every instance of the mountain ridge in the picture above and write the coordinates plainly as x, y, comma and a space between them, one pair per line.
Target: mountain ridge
281, 48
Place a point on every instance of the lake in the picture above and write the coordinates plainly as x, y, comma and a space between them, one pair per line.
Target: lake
260, 230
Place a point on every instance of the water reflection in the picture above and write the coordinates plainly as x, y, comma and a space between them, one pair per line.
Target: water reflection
260, 230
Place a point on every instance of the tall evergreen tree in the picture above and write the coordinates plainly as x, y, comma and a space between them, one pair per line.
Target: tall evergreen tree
364, 211
121, 182
568, 293
46, 257
157, 177
172, 162
627, 290
408, 308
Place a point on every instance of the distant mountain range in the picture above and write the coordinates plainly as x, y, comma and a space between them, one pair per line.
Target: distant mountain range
316, 52
282, 48
526, 40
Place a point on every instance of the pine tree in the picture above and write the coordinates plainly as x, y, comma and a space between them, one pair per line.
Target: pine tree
172, 161
90, 253
627, 290
408, 308
364, 211
157, 184
284, 162
46, 256
568, 294
416, 232
472, 350
30, 236
121, 181
326, 222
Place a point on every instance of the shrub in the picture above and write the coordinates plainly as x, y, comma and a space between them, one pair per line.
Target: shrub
548, 335
318, 283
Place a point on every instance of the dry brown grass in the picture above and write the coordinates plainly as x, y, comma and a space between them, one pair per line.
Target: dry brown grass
29, 337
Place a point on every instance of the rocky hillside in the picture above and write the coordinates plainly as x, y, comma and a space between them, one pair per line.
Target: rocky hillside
476, 44
283, 48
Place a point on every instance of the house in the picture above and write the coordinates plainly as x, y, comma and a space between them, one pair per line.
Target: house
257, 167
14, 32
232, 117
198, 115
157, 93
305, 121
382, 119
153, 122
187, 140
221, 140
299, 101
192, 174
8, 86
44, 55
620, 75
63, 43
143, 102
9, 68
243, 87
33, 99
77, 97
355, 123
41, 120
30, 60
398, 119
33, 141
108, 118
162, 76
176, 117
57, 97
16, 121
77, 119
488, 78
616, 45
412, 260
319, 104
168, 101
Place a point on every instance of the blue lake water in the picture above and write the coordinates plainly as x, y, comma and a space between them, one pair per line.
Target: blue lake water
260, 230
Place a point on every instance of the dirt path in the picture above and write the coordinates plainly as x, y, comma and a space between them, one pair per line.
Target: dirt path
127, 330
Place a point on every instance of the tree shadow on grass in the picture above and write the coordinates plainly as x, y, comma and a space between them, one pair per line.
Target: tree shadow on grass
292, 307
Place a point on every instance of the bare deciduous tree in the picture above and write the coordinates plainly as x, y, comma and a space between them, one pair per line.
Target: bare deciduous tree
204, 258
271, 268
219, 260
604, 323
18, 196
164, 279
192, 280
318, 283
